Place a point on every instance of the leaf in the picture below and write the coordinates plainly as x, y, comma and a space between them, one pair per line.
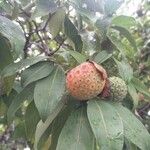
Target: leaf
60, 120
25, 94
43, 8
15, 67
76, 133
36, 72
124, 21
5, 52
125, 70
102, 56
127, 34
19, 131
80, 58
56, 22
106, 125
42, 127
121, 47
111, 6
8, 84
102, 26
72, 33
134, 130
14, 34
140, 86
49, 91
31, 120
133, 93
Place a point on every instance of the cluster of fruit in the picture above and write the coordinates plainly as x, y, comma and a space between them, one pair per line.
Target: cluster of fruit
89, 80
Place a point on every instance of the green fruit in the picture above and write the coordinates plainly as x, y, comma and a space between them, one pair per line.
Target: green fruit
118, 88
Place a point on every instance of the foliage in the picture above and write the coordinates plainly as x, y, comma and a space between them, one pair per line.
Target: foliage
40, 41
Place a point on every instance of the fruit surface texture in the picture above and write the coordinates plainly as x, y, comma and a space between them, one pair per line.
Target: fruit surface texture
86, 81
118, 88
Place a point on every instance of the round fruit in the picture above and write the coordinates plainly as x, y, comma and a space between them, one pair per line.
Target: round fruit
118, 88
86, 81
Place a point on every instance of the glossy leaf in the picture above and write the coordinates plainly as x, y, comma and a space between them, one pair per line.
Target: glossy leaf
42, 127
14, 34
80, 58
37, 71
106, 125
26, 94
15, 67
59, 122
56, 22
102, 56
134, 130
31, 120
72, 33
49, 91
76, 133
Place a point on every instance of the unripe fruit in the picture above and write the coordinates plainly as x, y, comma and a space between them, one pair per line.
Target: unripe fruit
118, 88
86, 81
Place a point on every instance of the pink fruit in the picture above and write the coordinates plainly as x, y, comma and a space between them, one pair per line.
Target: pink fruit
86, 81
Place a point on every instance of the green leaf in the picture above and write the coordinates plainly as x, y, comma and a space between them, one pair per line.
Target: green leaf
43, 127
140, 86
102, 56
80, 58
37, 71
25, 94
56, 22
125, 70
59, 122
106, 124
111, 6
126, 34
31, 120
121, 47
76, 133
133, 93
19, 131
123, 21
134, 130
43, 8
14, 34
15, 67
3, 108
72, 33
5, 52
102, 26
8, 84
46, 93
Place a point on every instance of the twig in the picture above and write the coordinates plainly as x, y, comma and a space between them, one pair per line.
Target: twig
45, 48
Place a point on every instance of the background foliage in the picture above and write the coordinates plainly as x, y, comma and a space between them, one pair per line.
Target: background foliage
40, 41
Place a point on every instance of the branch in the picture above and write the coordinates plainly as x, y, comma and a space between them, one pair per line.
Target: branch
44, 46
